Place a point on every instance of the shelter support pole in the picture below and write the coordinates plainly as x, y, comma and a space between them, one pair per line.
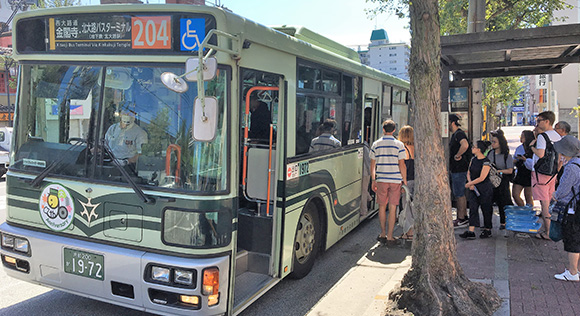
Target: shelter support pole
476, 23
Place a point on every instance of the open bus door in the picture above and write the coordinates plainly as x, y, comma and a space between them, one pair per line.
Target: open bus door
372, 119
257, 217
372, 127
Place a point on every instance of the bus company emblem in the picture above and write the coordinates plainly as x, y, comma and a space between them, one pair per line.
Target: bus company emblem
56, 206
89, 210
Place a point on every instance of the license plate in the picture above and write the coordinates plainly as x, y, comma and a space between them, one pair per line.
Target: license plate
84, 263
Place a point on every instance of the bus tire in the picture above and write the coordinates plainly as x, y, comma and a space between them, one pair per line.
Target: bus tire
2, 171
307, 241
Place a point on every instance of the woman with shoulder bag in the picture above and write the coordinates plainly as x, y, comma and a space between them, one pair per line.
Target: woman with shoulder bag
504, 163
481, 191
567, 193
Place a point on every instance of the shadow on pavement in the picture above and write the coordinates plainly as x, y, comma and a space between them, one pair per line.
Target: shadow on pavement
390, 255
330, 267
62, 303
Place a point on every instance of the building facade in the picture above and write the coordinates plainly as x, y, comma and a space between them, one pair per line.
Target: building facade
392, 58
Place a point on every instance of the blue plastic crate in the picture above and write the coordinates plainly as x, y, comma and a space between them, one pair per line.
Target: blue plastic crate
523, 227
521, 218
515, 207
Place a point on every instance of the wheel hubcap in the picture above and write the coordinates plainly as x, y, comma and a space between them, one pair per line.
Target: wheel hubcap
304, 238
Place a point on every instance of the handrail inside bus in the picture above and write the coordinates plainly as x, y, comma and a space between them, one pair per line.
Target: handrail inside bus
269, 169
245, 157
177, 149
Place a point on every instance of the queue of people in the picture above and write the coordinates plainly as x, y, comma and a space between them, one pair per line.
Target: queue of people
392, 166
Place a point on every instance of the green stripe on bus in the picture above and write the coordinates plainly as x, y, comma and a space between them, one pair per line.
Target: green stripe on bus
21, 204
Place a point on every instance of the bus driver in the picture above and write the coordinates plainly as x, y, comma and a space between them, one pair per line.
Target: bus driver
126, 138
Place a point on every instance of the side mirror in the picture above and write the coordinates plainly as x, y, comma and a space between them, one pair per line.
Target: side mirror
209, 69
205, 120
174, 82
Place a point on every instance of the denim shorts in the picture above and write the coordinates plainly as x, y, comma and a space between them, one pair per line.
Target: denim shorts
458, 181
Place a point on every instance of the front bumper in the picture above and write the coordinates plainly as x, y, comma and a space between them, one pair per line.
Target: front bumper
124, 272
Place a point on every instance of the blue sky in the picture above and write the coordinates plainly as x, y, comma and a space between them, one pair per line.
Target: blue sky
344, 21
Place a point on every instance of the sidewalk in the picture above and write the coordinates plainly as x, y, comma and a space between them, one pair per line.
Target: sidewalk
520, 267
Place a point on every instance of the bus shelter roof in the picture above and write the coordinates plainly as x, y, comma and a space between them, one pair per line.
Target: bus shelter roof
542, 50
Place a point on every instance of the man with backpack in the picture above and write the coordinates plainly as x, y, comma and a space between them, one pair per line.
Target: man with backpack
545, 168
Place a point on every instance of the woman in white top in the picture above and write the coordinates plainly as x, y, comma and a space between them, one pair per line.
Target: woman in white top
500, 157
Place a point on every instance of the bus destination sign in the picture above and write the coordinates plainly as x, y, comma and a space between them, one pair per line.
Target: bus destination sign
114, 32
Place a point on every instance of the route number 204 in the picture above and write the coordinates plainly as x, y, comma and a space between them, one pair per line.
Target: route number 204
151, 32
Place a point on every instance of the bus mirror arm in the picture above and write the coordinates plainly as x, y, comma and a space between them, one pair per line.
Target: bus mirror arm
146, 199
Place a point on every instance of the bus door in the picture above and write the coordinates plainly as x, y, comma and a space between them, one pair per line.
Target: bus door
372, 127
257, 216
372, 119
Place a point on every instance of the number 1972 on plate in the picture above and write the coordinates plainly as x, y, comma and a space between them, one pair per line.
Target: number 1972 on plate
84, 263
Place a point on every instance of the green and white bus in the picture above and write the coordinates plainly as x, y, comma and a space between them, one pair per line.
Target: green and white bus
207, 212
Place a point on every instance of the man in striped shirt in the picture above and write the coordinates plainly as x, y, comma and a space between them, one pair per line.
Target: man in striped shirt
325, 141
388, 173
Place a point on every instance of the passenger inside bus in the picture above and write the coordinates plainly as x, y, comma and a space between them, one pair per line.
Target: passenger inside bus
126, 139
325, 139
260, 118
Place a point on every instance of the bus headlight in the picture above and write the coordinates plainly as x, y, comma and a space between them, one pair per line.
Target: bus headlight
7, 241
160, 274
183, 277
21, 245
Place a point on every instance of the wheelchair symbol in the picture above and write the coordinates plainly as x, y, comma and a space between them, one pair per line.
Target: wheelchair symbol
188, 36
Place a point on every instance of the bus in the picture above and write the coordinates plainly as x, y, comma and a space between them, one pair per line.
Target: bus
161, 157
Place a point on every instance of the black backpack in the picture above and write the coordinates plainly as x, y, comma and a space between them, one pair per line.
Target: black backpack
548, 164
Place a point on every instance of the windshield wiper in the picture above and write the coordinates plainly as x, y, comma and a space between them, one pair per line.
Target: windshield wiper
36, 182
127, 177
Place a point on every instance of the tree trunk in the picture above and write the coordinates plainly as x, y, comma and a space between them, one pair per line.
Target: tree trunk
435, 284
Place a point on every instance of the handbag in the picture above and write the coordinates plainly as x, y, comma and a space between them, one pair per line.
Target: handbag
494, 176
555, 231
559, 211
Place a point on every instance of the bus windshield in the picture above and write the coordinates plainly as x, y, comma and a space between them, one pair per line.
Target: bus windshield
68, 114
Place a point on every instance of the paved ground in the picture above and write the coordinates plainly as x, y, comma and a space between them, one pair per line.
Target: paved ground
520, 267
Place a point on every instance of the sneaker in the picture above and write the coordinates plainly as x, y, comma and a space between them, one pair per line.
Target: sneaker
567, 276
458, 223
486, 233
467, 235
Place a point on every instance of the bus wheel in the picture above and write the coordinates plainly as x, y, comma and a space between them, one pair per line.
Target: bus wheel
307, 241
